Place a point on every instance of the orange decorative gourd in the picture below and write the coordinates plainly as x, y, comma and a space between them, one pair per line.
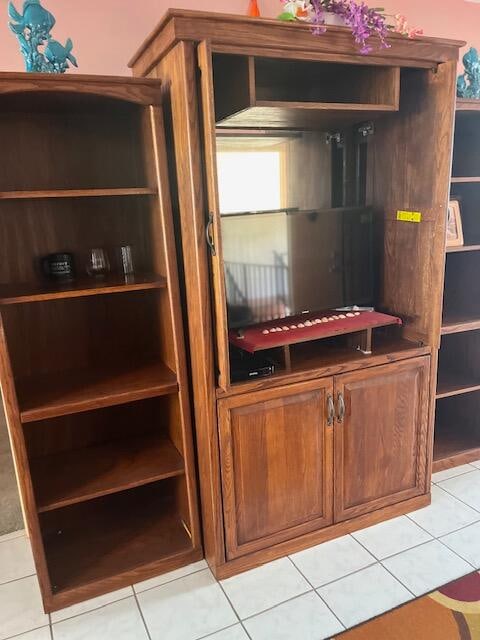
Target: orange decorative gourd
253, 10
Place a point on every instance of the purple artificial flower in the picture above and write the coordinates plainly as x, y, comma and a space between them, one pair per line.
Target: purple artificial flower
363, 21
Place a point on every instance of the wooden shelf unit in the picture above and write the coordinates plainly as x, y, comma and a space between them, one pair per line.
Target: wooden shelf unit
457, 439
94, 382
282, 465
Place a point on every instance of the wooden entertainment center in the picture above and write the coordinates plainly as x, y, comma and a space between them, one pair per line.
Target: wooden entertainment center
338, 440
96, 381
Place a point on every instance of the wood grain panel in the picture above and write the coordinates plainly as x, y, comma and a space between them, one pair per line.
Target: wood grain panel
381, 445
237, 30
179, 82
276, 465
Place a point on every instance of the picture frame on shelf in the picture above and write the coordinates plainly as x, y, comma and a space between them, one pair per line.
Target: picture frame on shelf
454, 224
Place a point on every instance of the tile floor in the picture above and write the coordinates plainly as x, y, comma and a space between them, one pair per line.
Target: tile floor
311, 595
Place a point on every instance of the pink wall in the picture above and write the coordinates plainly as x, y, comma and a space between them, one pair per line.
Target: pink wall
108, 32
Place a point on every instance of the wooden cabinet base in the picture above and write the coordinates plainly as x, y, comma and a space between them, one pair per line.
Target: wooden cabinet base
233, 567
85, 592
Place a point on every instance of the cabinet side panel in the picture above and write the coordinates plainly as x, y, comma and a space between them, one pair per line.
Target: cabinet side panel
177, 70
22, 466
411, 158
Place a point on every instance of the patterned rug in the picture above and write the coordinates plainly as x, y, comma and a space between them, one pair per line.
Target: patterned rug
451, 613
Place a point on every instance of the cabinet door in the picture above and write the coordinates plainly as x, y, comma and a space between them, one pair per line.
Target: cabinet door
276, 452
381, 441
214, 220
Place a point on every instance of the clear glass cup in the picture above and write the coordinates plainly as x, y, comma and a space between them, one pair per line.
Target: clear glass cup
97, 264
125, 260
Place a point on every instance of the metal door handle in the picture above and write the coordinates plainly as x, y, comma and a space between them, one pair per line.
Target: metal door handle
330, 410
341, 408
209, 234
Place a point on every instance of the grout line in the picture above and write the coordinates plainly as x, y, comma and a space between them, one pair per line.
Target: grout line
30, 575
387, 570
442, 535
351, 573
19, 635
211, 635
278, 604
83, 613
458, 556
141, 615
457, 498
231, 604
315, 591
168, 581
462, 473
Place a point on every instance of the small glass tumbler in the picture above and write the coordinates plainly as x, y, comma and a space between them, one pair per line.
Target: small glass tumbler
97, 265
125, 260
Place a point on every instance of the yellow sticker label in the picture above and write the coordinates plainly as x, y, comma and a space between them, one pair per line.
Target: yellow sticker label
409, 216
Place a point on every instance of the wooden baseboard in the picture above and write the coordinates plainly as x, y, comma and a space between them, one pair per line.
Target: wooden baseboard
456, 460
252, 560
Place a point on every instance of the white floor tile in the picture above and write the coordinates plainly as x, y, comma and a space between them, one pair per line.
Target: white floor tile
117, 621
37, 634
187, 608
451, 473
465, 487
13, 535
171, 575
476, 464
466, 543
16, 559
332, 560
444, 515
90, 605
21, 607
364, 594
390, 537
305, 618
236, 632
259, 589
426, 567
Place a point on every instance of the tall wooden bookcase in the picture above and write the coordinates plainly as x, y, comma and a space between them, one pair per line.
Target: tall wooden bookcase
336, 440
457, 424
93, 373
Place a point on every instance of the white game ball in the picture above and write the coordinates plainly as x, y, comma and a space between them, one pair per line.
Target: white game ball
350, 315
265, 331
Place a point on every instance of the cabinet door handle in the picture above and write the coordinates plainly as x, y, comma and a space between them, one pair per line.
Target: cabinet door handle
209, 234
341, 408
330, 410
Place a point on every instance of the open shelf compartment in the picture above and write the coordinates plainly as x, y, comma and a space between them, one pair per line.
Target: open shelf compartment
72, 142
89, 352
127, 532
276, 93
459, 364
104, 451
457, 431
461, 305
